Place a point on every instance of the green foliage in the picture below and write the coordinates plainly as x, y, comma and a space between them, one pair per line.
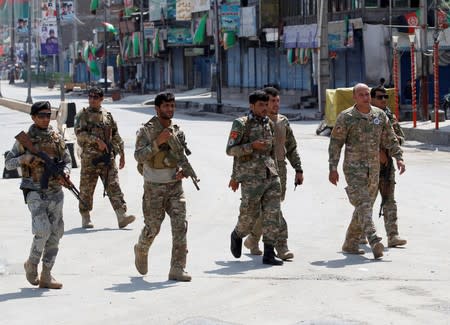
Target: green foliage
44, 77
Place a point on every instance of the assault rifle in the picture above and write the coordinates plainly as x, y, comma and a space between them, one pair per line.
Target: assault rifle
180, 143
52, 167
105, 158
385, 174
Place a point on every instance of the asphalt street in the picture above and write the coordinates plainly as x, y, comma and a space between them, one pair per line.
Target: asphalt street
320, 286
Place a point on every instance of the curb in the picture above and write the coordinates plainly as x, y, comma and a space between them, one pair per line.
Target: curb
434, 137
236, 111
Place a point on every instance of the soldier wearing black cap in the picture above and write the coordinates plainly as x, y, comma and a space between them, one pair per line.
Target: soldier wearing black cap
45, 204
100, 141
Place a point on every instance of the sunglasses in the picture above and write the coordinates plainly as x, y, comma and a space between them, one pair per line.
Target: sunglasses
380, 97
94, 96
43, 115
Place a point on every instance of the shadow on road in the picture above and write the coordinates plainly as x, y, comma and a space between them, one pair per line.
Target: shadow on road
238, 267
22, 294
138, 284
77, 231
350, 259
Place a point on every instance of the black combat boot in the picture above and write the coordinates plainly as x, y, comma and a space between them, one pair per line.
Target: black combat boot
269, 256
236, 244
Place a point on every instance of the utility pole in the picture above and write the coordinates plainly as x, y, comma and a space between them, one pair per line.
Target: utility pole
142, 52
12, 39
105, 46
436, 37
60, 51
29, 99
75, 44
217, 49
424, 59
323, 66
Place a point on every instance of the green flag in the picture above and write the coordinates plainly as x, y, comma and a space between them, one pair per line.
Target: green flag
93, 67
229, 40
290, 56
110, 28
94, 6
156, 43
200, 33
136, 43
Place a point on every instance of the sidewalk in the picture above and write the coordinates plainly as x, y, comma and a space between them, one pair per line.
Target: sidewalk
202, 100
426, 132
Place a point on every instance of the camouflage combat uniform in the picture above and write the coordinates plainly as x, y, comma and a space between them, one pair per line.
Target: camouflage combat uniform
387, 182
90, 124
45, 205
285, 147
162, 193
363, 136
258, 174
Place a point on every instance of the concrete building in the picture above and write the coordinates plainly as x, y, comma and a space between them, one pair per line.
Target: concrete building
261, 42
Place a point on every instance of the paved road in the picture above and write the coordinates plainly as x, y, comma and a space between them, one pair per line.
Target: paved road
320, 286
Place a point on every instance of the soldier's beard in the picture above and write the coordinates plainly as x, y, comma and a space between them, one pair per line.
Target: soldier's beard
166, 116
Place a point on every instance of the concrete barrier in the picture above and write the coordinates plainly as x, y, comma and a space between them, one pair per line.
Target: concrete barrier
435, 137
22, 106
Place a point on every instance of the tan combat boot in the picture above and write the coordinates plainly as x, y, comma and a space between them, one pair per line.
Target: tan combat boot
141, 259
396, 240
377, 250
251, 243
352, 248
86, 220
283, 251
47, 280
179, 274
123, 220
31, 272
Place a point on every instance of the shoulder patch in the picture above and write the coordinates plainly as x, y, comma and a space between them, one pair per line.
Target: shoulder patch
234, 134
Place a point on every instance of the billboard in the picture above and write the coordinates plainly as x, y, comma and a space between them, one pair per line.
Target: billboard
48, 33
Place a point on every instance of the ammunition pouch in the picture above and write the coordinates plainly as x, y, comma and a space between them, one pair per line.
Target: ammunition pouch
245, 158
105, 158
254, 155
163, 158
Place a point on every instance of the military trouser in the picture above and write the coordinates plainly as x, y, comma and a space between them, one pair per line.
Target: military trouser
157, 200
260, 196
282, 236
88, 180
389, 206
47, 225
362, 190
257, 228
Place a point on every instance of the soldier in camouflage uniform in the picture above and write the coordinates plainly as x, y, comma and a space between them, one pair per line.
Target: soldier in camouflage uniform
161, 160
45, 205
98, 137
363, 129
387, 172
285, 147
251, 143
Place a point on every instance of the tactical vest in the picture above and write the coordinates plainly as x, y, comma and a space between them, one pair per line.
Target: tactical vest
49, 142
246, 138
95, 123
169, 153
